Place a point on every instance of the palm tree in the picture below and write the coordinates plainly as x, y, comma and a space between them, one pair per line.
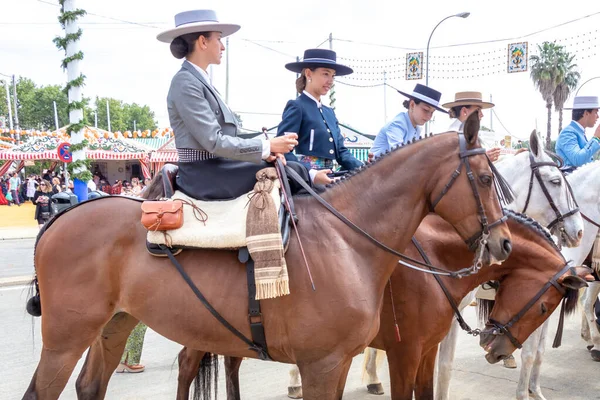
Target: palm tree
546, 75
566, 86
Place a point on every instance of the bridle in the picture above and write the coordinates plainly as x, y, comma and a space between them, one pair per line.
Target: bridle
404, 260
500, 329
504, 329
559, 221
464, 154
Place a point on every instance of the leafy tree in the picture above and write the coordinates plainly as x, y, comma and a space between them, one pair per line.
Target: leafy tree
547, 74
3, 107
122, 115
569, 82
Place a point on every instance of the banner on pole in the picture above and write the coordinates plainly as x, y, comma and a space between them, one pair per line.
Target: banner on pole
414, 65
517, 57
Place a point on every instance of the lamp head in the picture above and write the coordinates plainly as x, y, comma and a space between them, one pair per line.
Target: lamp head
463, 14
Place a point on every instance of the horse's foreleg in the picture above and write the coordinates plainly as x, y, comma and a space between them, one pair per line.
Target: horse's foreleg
325, 379
591, 294
528, 353
403, 364
189, 364
424, 380
445, 360
374, 385
295, 386
232, 377
103, 357
534, 382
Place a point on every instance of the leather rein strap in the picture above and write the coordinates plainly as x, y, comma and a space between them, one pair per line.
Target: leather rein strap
504, 329
459, 318
410, 262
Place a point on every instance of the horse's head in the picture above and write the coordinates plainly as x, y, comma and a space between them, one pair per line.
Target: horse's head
543, 193
465, 195
533, 282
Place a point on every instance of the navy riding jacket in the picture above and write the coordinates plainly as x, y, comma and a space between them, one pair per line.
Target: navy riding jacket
318, 132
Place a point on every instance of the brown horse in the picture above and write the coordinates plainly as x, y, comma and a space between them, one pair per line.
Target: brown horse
96, 280
424, 313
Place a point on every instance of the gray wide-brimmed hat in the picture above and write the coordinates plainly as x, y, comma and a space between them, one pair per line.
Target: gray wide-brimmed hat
196, 21
584, 103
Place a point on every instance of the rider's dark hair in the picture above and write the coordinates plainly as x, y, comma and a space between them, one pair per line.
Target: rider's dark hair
406, 103
576, 115
454, 112
301, 81
183, 45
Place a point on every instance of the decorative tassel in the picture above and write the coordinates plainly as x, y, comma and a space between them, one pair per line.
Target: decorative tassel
398, 338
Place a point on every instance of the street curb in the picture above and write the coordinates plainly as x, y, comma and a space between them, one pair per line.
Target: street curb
16, 280
18, 237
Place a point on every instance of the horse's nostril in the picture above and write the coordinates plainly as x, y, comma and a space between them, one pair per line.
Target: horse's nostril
507, 246
580, 234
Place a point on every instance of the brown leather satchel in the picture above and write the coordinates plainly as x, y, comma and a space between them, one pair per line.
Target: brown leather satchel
162, 215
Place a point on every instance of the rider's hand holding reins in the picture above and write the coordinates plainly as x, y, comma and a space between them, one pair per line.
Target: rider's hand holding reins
284, 144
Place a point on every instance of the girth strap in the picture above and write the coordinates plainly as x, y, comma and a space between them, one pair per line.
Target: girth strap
262, 352
257, 329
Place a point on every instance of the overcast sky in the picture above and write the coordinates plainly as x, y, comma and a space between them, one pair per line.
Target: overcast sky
125, 61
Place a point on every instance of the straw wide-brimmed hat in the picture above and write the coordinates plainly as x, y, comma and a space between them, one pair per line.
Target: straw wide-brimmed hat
319, 58
426, 95
463, 99
584, 103
196, 21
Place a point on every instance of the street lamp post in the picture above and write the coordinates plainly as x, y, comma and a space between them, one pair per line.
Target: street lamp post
591, 79
461, 15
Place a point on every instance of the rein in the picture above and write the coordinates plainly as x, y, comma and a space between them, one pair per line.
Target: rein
535, 171
503, 329
588, 219
409, 262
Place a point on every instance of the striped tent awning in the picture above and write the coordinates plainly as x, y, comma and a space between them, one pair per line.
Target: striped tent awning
164, 157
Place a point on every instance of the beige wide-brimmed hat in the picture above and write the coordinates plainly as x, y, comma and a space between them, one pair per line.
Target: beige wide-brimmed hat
196, 21
468, 99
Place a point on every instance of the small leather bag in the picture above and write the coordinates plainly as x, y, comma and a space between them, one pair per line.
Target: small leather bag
162, 215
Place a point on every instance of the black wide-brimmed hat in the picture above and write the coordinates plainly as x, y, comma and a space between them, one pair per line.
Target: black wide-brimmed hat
319, 58
426, 95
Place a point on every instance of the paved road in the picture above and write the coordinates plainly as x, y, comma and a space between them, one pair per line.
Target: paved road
17, 257
568, 374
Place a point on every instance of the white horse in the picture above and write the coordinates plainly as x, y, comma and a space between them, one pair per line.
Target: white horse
517, 171
586, 187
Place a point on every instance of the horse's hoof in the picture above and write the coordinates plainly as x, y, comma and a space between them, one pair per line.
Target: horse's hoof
510, 362
375, 388
590, 347
595, 355
295, 392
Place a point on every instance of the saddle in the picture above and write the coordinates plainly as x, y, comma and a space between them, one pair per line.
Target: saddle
158, 245
206, 224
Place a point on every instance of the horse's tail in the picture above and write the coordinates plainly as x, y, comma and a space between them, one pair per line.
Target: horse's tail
208, 375
155, 189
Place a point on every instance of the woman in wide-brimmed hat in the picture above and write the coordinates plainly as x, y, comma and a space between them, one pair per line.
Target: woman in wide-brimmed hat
465, 104
406, 126
320, 141
206, 130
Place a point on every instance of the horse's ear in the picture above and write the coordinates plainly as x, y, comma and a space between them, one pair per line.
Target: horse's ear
576, 281
535, 144
471, 128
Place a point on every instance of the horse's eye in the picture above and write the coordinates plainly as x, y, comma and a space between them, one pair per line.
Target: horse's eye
485, 180
556, 181
544, 309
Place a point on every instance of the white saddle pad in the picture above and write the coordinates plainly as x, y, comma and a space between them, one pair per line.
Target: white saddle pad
224, 229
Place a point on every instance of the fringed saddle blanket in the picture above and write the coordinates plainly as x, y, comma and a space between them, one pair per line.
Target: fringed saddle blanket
250, 221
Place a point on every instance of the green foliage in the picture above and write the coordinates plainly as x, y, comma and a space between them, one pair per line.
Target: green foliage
62, 42
69, 16
122, 115
67, 60
79, 146
36, 110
